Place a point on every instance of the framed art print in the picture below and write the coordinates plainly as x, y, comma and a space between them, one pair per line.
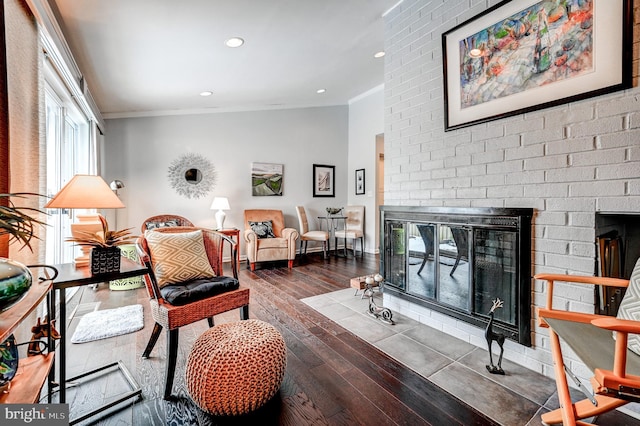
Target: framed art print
324, 180
360, 182
524, 55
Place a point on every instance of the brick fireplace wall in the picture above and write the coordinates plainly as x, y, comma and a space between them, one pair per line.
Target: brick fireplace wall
567, 162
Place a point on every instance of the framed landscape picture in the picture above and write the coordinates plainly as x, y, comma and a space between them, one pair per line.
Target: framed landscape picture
324, 180
360, 182
266, 179
524, 55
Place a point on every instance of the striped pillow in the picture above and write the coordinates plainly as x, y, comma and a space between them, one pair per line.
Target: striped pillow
178, 257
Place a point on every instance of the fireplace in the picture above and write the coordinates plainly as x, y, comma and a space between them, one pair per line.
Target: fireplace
617, 250
458, 260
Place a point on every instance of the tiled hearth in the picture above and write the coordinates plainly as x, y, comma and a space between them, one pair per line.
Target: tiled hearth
518, 398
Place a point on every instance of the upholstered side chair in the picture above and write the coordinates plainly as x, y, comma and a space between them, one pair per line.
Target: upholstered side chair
267, 238
306, 235
186, 284
353, 228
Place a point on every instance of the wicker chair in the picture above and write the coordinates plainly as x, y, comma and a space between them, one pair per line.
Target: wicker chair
172, 317
164, 220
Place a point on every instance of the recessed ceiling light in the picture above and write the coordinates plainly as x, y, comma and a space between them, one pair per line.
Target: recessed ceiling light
319, 91
379, 54
234, 42
475, 53
206, 93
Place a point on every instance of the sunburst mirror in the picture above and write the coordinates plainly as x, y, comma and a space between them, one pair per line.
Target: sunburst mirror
192, 175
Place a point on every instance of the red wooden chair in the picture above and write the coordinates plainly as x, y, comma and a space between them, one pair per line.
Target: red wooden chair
615, 368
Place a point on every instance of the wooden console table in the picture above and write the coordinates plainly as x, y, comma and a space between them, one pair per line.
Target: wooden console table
233, 233
71, 276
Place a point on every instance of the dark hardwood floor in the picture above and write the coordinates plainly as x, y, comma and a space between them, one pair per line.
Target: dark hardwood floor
332, 376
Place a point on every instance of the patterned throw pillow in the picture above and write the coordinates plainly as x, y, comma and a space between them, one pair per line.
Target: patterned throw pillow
178, 257
630, 307
263, 229
165, 224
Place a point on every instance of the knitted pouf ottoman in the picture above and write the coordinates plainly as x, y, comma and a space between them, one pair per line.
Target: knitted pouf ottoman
235, 368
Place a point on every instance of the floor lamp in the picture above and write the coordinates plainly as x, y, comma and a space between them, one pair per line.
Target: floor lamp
85, 192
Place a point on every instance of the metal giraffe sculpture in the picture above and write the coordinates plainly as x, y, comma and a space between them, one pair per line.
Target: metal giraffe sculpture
490, 335
40, 330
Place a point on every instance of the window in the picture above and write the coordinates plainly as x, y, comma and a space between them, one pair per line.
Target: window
69, 152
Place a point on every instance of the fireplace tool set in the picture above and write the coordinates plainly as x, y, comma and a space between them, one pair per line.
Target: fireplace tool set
383, 314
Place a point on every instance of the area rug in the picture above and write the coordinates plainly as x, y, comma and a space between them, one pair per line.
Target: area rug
108, 323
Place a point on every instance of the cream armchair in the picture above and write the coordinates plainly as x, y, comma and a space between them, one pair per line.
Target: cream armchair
269, 239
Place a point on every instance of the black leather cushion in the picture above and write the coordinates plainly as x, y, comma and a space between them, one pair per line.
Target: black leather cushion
263, 229
181, 294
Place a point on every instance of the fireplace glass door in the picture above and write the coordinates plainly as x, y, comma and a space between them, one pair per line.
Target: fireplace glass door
458, 266
457, 261
495, 272
431, 261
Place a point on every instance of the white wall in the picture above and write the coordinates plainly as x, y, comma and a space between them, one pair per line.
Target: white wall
138, 151
366, 120
566, 162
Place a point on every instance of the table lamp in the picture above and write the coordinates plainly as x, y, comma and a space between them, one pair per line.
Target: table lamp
85, 192
220, 203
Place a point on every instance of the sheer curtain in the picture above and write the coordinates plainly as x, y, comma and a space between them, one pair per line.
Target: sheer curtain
24, 95
4, 127
29, 29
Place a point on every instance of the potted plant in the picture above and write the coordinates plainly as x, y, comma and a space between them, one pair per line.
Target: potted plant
105, 253
20, 225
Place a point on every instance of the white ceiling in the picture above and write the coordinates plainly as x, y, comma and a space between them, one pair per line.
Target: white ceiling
152, 57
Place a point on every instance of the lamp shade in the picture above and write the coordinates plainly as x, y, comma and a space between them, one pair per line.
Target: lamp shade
85, 192
220, 203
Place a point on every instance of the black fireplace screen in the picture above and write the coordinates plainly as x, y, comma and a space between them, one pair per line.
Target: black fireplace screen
459, 260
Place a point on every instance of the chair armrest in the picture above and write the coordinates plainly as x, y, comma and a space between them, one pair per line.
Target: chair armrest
149, 278
622, 329
619, 325
290, 234
143, 256
565, 315
250, 236
577, 279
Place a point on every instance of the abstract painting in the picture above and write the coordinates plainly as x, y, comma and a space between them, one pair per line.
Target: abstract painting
524, 55
266, 179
